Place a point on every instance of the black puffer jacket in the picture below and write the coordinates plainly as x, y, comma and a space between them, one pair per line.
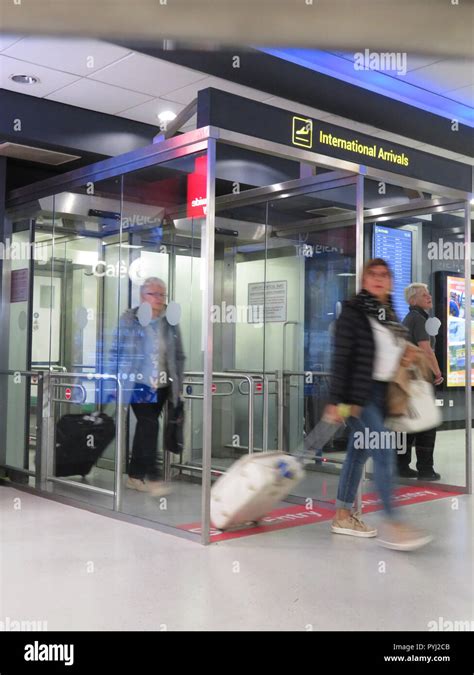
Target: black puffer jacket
353, 360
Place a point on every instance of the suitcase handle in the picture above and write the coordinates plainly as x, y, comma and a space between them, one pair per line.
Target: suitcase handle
282, 467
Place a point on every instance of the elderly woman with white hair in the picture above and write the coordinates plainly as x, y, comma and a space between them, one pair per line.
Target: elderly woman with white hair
420, 302
147, 350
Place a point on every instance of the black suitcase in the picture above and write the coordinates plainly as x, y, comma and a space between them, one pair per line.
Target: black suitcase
80, 441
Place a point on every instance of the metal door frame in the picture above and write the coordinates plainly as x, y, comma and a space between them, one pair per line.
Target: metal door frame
206, 139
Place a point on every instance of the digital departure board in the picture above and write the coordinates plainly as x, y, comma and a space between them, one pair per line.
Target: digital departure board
395, 247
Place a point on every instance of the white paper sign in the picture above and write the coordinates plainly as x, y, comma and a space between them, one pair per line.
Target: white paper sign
274, 295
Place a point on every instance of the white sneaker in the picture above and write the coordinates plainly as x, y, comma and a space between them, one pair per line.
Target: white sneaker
155, 488
136, 484
158, 488
401, 537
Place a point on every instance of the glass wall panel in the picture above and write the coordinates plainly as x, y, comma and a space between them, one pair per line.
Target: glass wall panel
76, 299
116, 290
426, 245
283, 266
312, 248
19, 394
163, 218
109, 281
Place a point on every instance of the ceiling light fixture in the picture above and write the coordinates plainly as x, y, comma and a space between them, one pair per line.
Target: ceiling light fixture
24, 79
166, 116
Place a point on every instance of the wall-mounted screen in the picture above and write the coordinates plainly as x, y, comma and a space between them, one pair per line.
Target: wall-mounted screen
455, 312
395, 247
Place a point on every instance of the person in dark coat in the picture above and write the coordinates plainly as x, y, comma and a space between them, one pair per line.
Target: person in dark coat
148, 354
370, 344
420, 302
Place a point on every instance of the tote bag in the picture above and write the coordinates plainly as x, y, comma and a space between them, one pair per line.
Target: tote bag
422, 412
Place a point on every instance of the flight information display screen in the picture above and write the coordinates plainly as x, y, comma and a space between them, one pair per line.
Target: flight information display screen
455, 316
395, 247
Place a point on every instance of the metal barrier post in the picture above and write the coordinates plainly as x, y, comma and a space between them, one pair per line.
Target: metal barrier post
279, 379
251, 412
119, 438
47, 433
39, 430
265, 413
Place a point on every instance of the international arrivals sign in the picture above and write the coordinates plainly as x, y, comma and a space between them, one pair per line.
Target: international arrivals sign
260, 120
302, 136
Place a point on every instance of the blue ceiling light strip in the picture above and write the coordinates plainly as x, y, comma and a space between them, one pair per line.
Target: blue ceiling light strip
378, 82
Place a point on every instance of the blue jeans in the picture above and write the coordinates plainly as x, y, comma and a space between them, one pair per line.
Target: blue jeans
371, 421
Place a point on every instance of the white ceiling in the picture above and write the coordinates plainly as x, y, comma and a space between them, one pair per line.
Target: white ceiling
453, 78
100, 76
450, 78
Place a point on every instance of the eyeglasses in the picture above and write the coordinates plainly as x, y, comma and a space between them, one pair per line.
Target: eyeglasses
378, 275
156, 295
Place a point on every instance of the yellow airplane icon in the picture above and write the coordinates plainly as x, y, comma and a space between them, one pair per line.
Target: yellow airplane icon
302, 132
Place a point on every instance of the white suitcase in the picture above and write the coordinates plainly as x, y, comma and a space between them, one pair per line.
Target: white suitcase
251, 488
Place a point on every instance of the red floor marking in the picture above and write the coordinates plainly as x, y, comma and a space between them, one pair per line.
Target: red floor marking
404, 496
296, 516
280, 519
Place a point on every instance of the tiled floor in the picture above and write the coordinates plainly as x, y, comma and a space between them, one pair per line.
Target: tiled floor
78, 570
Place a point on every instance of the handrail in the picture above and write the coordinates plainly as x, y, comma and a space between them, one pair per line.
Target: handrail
236, 376
255, 371
302, 373
214, 393
71, 386
26, 373
46, 440
226, 373
46, 461
246, 393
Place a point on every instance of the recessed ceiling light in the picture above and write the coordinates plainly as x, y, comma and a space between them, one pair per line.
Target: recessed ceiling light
24, 79
167, 116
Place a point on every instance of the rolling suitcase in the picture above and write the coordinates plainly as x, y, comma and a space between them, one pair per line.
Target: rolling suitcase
80, 441
251, 488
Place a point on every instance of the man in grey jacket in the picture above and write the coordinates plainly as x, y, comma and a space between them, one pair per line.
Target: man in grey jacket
148, 354
420, 302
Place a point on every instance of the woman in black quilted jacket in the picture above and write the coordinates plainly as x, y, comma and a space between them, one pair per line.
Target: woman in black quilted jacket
370, 344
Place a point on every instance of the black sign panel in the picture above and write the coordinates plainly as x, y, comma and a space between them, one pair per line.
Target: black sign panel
245, 116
